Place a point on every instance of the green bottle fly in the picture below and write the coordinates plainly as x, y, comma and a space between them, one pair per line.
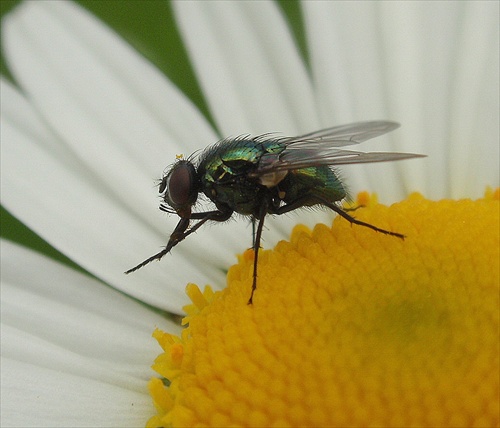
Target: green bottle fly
257, 176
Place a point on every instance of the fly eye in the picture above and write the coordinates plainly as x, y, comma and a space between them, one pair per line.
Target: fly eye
180, 184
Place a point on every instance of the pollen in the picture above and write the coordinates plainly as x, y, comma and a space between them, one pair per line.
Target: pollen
348, 327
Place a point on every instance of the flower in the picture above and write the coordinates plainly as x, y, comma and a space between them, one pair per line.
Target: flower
348, 328
89, 124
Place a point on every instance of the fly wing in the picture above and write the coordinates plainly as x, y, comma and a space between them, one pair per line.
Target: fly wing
343, 135
322, 148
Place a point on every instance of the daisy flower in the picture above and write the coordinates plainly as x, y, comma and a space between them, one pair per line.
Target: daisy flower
88, 125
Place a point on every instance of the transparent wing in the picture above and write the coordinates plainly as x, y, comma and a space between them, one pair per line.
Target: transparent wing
343, 135
322, 148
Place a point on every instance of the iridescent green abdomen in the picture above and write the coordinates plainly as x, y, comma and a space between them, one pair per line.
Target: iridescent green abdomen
312, 183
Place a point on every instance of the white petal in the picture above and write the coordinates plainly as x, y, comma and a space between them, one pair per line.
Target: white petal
348, 66
34, 396
114, 109
398, 60
437, 66
248, 66
89, 190
54, 194
474, 149
64, 334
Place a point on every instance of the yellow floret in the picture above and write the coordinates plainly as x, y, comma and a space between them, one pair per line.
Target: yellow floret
348, 327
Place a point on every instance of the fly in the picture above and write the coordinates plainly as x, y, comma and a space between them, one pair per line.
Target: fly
257, 176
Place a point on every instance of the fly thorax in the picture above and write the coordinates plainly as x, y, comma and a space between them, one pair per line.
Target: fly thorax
272, 179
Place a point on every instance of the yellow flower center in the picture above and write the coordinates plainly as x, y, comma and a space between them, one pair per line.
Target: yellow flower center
348, 327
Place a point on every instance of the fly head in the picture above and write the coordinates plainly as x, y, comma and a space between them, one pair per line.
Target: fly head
180, 187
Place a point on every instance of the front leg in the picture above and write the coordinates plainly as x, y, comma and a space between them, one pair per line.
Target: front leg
181, 231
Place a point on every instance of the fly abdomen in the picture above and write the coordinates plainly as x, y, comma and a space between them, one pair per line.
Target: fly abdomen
308, 184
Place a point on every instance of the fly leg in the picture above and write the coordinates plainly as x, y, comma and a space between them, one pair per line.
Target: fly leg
256, 247
306, 201
181, 232
357, 207
352, 220
253, 230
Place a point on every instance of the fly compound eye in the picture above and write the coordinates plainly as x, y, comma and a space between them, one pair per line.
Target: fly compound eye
180, 184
